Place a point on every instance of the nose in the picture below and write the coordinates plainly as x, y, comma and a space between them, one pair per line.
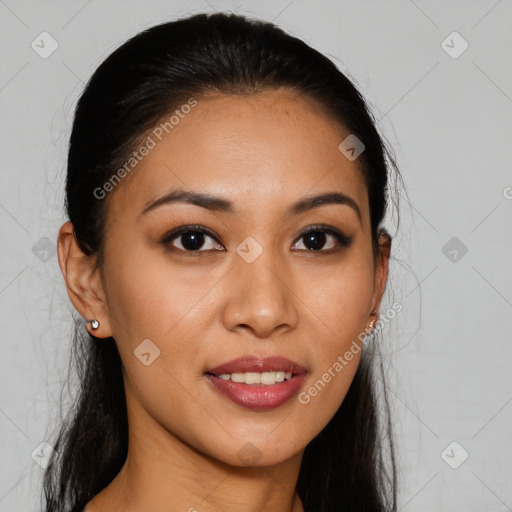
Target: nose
260, 298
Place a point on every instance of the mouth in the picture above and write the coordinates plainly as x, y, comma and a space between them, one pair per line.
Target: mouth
258, 382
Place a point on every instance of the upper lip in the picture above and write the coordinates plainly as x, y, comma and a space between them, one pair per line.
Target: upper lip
258, 364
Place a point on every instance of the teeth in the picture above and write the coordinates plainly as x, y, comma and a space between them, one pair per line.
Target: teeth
266, 378
280, 376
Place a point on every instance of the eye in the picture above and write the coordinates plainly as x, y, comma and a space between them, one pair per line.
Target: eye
191, 239
315, 237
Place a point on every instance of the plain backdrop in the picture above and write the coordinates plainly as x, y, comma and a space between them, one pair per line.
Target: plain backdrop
438, 77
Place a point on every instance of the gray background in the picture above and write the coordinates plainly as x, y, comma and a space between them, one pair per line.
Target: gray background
448, 119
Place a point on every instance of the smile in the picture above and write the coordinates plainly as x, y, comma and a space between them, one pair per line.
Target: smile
258, 382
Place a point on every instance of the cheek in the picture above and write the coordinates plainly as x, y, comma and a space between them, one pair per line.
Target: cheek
147, 297
341, 306
150, 300
326, 390
148, 309
340, 298
336, 359
150, 303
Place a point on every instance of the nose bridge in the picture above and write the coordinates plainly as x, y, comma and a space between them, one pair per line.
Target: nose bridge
261, 299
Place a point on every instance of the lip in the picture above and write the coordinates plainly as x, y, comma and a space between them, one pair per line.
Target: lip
258, 364
258, 396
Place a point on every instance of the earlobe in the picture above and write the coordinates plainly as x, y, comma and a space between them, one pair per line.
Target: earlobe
83, 280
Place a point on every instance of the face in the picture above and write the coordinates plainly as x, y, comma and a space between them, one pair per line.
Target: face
241, 280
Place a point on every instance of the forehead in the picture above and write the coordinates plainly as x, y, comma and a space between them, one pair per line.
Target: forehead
264, 150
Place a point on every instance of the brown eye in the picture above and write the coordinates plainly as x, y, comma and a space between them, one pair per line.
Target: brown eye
315, 238
191, 239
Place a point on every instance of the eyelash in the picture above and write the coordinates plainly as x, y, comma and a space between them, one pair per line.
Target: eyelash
343, 240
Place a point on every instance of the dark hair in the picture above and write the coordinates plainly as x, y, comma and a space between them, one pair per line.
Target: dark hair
347, 466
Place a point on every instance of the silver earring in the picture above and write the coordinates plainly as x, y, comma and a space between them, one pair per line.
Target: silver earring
94, 324
371, 324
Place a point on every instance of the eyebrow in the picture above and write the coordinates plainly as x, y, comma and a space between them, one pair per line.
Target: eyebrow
218, 204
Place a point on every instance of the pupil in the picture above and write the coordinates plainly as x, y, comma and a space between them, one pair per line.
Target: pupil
310, 240
196, 238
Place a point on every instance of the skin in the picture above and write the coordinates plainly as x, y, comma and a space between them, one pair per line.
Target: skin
262, 152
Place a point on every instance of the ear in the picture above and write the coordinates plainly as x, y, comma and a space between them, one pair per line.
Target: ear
83, 281
381, 270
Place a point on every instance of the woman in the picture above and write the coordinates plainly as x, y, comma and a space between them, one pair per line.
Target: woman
226, 188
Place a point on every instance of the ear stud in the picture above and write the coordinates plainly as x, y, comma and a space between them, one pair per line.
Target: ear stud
94, 324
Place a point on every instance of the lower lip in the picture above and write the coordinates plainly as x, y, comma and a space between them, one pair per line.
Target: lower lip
257, 396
